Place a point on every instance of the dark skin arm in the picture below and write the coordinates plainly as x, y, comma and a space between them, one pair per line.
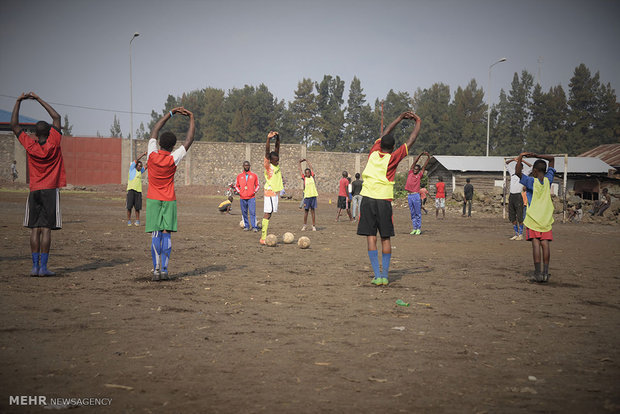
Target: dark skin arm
428, 158
272, 134
55, 116
519, 168
189, 138
162, 121
414, 133
15, 115
301, 171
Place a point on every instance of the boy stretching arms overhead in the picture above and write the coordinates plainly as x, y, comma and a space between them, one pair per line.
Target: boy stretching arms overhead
378, 192
273, 182
539, 217
161, 200
47, 175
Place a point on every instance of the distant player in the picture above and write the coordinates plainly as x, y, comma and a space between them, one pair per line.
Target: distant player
273, 182
247, 185
378, 193
440, 197
414, 177
134, 189
47, 176
310, 193
343, 195
161, 200
226, 205
515, 200
539, 217
423, 197
468, 197
356, 189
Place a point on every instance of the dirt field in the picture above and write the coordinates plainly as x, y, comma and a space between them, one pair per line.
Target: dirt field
244, 328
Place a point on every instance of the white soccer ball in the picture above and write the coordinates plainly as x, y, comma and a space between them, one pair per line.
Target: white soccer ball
288, 238
271, 240
303, 242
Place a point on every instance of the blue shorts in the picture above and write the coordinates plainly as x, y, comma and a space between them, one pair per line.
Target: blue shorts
310, 203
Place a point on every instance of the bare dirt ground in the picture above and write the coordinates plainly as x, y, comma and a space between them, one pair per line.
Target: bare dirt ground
245, 328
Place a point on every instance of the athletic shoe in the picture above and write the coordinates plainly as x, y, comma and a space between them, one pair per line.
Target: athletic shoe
413, 232
514, 237
262, 241
156, 276
377, 281
129, 223
246, 229
45, 272
313, 228
136, 223
384, 281
418, 231
164, 276
519, 237
545, 277
303, 228
255, 230
34, 271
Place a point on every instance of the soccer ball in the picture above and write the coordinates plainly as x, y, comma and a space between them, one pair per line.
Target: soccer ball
242, 224
303, 242
288, 238
271, 240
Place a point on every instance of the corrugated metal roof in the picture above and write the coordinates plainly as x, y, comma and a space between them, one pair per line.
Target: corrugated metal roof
610, 153
579, 165
5, 118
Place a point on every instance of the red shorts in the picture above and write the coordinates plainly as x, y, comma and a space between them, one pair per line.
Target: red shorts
533, 234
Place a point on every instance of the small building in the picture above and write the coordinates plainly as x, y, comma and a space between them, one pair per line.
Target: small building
585, 174
25, 122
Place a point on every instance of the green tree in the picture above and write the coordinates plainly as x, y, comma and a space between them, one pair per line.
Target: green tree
468, 122
67, 128
514, 115
433, 106
115, 129
304, 113
361, 127
547, 130
141, 132
330, 123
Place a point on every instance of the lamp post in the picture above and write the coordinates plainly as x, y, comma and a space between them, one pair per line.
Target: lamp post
489, 103
136, 34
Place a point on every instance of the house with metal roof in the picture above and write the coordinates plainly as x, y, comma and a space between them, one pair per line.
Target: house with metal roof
25, 122
609, 153
585, 175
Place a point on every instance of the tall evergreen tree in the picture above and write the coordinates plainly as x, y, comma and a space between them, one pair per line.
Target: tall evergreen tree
115, 129
468, 122
330, 122
433, 106
361, 128
67, 128
514, 115
304, 113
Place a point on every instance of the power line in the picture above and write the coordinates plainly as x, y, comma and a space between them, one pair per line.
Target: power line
86, 107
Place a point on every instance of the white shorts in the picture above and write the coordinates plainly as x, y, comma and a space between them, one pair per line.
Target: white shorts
270, 204
440, 203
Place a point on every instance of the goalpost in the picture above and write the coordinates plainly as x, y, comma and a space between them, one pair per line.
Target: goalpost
564, 183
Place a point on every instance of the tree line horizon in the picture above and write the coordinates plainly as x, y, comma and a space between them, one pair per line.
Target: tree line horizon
525, 117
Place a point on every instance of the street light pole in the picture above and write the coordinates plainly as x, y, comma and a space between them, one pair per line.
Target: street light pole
131, 152
489, 102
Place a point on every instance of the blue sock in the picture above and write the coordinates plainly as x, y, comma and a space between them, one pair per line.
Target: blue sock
521, 229
385, 262
156, 248
516, 229
166, 248
35, 260
374, 261
44, 257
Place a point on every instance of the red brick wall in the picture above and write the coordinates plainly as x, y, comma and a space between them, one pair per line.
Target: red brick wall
92, 161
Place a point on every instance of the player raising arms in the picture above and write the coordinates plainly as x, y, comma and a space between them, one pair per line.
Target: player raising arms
161, 201
273, 182
310, 193
378, 192
47, 175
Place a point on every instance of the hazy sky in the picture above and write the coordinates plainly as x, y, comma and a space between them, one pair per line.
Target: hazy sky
77, 52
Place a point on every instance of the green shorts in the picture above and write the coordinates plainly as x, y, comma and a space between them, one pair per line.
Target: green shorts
161, 215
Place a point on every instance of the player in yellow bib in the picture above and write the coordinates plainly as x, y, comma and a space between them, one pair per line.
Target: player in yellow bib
273, 182
539, 216
310, 193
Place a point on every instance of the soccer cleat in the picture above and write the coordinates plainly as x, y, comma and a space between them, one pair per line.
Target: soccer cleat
303, 228
136, 223
45, 272
514, 237
313, 228
519, 237
156, 275
34, 271
545, 277
262, 241
129, 223
164, 275
246, 229
384, 281
418, 231
377, 281
255, 230
413, 232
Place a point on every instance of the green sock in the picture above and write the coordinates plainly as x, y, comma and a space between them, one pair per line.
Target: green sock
264, 229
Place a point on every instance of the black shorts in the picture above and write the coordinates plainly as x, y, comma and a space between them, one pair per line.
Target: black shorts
43, 209
342, 202
515, 208
375, 215
134, 200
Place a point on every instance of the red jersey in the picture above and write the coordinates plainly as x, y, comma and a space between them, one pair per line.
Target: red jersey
45, 163
343, 184
441, 190
162, 165
413, 182
247, 185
